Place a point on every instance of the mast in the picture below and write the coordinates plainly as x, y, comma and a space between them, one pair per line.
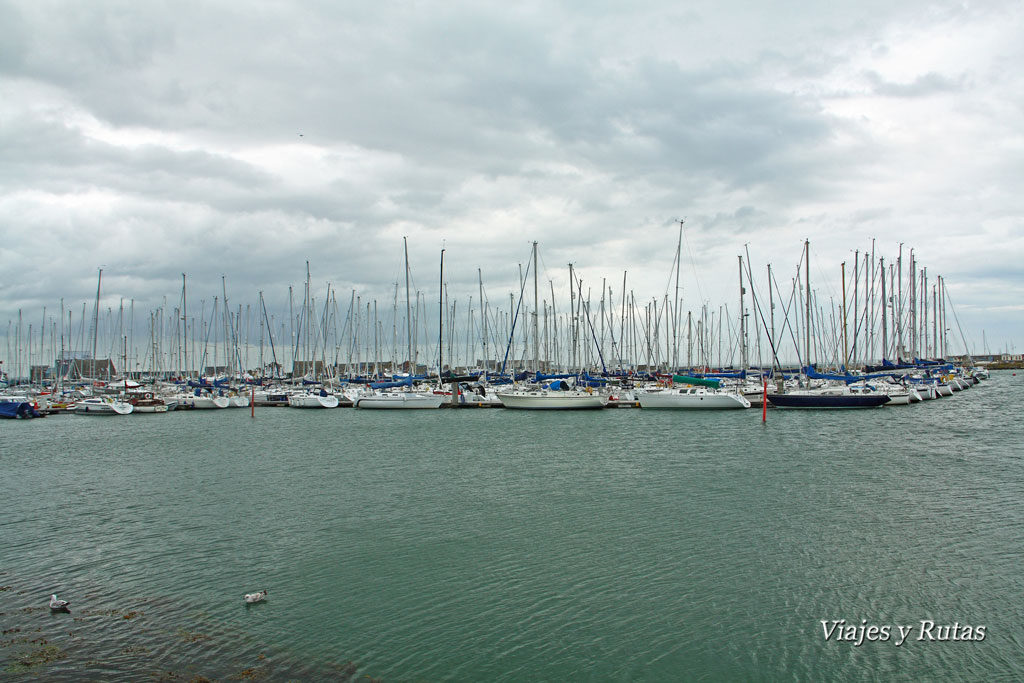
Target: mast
554, 327
408, 304
689, 339
228, 358
572, 313
871, 315
307, 313
96, 322
924, 312
184, 330
943, 337
898, 312
885, 307
675, 309
845, 350
483, 317
856, 304
771, 314
536, 331
915, 294
291, 327
742, 331
807, 303
440, 322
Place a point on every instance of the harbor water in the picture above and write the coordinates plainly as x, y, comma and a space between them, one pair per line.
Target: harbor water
500, 545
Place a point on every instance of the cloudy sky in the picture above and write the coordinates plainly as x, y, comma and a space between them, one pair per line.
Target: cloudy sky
241, 140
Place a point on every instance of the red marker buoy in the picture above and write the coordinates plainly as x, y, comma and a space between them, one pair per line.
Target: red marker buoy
764, 401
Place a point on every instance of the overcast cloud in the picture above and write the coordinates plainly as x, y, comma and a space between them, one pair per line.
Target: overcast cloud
243, 139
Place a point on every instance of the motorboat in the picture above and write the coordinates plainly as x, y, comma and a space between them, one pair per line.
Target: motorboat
103, 405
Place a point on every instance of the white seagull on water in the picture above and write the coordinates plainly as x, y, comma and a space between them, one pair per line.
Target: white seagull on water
58, 605
255, 597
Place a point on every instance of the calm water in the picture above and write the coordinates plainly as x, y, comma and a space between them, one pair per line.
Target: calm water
490, 545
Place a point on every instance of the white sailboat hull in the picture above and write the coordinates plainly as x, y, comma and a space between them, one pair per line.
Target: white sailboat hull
691, 400
312, 401
238, 401
102, 406
400, 401
150, 409
204, 402
552, 400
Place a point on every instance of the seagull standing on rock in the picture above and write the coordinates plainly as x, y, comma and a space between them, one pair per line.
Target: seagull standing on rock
58, 605
255, 597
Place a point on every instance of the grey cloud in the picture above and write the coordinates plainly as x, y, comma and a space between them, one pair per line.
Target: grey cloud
499, 125
923, 86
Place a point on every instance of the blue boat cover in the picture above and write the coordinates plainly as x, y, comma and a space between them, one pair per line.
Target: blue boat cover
11, 410
391, 385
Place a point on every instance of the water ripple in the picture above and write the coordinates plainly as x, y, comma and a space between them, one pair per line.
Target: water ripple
492, 545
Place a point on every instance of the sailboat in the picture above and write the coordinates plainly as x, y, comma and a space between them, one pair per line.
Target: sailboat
312, 399
828, 397
102, 405
399, 400
559, 394
400, 395
695, 394
202, 401
824, 396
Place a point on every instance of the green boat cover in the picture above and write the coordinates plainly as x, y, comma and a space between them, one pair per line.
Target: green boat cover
696, 381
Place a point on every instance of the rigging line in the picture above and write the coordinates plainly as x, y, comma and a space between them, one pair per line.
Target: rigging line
693, 264
512, 332
586, 310
786, 308
760, 314
945, 295
671, 272
823, 277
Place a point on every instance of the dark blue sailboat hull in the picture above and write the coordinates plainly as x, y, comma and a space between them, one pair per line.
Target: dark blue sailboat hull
826, 401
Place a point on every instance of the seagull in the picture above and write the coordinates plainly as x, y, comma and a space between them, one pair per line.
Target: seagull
58, 605
253, 597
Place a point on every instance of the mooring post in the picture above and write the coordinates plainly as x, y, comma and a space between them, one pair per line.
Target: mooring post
764, 400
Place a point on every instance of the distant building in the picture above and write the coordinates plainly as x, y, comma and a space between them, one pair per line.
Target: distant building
301, 368
87, 368
40, 373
